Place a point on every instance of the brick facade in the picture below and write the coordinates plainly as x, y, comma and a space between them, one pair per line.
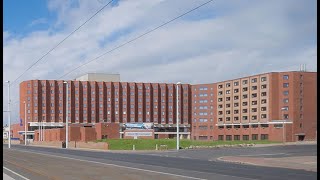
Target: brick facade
235, 109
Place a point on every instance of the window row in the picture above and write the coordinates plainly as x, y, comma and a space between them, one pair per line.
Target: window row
254, 117
253, 80
244, 137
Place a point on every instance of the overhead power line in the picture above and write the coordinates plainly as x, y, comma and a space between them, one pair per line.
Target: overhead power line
138, 37
61, 42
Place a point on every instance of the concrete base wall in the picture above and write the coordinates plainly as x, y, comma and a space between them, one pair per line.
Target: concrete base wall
74, 144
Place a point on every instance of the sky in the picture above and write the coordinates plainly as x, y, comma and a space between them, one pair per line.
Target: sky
222, 40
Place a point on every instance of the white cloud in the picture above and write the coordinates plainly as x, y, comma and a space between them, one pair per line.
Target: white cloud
220, 41
38, 21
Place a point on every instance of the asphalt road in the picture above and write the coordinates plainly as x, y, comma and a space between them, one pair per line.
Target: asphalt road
52, 163
267, 152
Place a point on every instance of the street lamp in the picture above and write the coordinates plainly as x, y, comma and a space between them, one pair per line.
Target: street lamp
177, 120
9, 120
283, 130
25, 123
67, 114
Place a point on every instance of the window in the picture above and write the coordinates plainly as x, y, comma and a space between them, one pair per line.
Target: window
285, 108
245, 126
244, 103
220, 119
220, 93
254, 80
228, 118
286, 116
245, 96
254, 95
236, 97
263, 108
228, 137
264, 136
263, 116
264, 94
244, 89
277, 125
236, 104
245, 137
254, 110
219, 99
236, 118
228, 92
263, 79
228, 98
254, 117
285, 77
245, 82
236, 83
244, 110
254, 126
254, 102
236, 111
228, 85
254, 87
203, 127
227, 105
264, 125
264, 86
285, 85
236, 137
285, 93
220, 137
263, 101
220, 86
254, 136
286, 100
236, 90
228, 112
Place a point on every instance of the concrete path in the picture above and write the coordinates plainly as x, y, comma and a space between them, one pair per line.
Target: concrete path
6, 177
308, 163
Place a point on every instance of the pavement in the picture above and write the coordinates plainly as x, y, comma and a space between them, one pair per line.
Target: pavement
308, 163
52, 163
6, 177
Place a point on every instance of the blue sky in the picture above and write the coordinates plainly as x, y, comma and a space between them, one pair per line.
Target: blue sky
19, 15
223, 40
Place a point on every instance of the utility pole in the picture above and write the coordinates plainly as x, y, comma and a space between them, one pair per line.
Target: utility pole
177, 120
25, 123
9, 118
67, 115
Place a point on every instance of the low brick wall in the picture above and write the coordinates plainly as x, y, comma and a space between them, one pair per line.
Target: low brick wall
75, 144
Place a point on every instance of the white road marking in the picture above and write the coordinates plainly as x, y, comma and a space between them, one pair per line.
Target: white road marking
310, 163
262, 154
15, 173
107, 164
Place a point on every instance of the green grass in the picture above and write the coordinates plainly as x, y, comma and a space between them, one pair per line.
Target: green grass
150, 144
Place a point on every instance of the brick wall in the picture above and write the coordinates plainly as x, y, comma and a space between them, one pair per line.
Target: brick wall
107, 130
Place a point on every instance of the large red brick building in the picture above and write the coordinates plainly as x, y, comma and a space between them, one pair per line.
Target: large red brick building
248, 108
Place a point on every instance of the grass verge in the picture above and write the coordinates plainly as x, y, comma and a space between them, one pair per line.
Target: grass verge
150, 144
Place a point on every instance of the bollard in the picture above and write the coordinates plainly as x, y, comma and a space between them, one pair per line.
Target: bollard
156, 147
133, 147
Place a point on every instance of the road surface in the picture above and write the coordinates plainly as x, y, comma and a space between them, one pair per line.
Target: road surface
51, 163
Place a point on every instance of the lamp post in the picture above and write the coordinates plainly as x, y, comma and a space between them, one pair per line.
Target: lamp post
9, 120
177, 120
67, 114
283, 130
25, 123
